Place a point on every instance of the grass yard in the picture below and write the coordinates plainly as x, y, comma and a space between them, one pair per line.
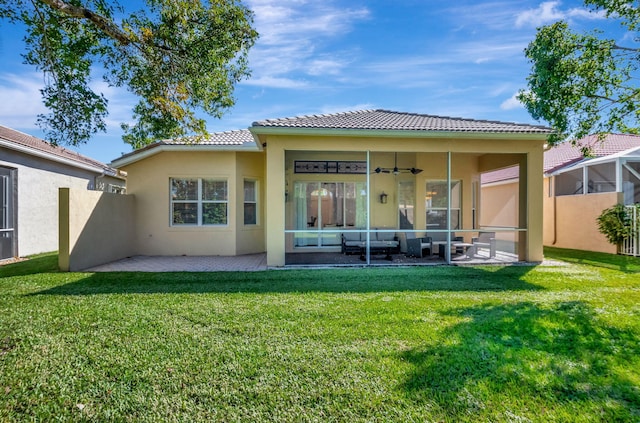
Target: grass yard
500, 344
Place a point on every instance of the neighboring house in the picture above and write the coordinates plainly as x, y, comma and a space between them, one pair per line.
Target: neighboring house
31, 171
296, 188
576, 189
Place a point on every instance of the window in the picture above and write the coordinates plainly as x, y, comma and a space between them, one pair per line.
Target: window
406, 194
198, 201
250, 202
436, 204
116, 189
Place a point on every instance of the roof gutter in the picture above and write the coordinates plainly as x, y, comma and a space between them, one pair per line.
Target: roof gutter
49, 156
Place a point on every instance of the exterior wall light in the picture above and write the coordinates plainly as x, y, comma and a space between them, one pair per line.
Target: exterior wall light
383, 198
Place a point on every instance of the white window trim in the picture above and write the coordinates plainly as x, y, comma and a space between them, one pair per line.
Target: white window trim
199, 202
255, 201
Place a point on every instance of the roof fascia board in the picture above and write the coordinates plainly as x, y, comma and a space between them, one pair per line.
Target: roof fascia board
43, 154
394, 133
182, 147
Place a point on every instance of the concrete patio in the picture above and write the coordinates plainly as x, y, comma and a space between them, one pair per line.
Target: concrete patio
244, 263
258, 262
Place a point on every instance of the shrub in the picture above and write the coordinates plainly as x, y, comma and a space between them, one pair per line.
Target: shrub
615, 224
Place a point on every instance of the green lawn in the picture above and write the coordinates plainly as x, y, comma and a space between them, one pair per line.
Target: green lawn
499, 344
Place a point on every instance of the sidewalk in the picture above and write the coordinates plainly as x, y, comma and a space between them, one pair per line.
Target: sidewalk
245, 263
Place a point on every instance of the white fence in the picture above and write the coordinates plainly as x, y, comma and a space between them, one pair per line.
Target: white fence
631, 245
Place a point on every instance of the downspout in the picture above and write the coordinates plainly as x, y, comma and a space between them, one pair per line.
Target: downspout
555, 224
552, 184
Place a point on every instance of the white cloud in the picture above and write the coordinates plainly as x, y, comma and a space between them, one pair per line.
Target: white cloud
493, 14
275, 82
22, 100
292, 33
549, 11
329, 109
26, 101
325, 67
511, 103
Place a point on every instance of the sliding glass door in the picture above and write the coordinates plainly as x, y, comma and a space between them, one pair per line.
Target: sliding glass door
325, 208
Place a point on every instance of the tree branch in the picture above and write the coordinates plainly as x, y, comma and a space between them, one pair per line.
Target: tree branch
617, 47
104, 24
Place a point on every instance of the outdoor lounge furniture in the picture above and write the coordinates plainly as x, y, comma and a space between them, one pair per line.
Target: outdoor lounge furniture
352, 241
379, 243
456, 246
485, 240
416, 246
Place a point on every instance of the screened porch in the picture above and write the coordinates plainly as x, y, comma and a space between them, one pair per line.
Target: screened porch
387, 208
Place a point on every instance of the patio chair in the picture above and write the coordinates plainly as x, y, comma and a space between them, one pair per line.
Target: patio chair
485, 240
417, 245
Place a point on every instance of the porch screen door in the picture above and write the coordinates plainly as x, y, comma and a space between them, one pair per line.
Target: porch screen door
7, 230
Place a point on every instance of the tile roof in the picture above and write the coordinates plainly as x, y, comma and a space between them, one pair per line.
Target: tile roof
500, 175
565, 154
42, 146
242, 138
389, 120
237, 137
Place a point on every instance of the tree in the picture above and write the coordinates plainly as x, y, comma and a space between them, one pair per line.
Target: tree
585, 83
179, 57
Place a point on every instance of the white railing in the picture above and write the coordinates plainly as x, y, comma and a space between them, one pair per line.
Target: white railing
631, 245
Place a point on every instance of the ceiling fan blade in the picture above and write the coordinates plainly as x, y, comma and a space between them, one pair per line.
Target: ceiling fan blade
415, 171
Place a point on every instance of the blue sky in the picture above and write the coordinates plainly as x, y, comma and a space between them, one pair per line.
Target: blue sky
458, 58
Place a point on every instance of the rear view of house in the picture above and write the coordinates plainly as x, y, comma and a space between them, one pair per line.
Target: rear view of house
31, 172
343, 188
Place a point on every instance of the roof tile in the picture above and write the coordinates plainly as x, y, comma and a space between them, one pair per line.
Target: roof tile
41, 145
389, 120
565, 154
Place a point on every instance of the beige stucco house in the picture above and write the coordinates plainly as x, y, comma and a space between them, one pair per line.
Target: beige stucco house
31, 171
576, 190
344, 188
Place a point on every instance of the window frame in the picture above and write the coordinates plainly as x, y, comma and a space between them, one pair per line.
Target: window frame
255, 202
199, 201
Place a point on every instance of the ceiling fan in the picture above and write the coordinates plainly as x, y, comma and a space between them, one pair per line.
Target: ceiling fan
396, 170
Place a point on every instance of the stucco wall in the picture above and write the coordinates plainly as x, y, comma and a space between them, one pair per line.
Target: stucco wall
250, 238
148, 180
499, 205
95, 228
570, 221
38, 181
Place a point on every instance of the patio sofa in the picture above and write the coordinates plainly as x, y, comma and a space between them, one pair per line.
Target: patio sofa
355, 242
417, 246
